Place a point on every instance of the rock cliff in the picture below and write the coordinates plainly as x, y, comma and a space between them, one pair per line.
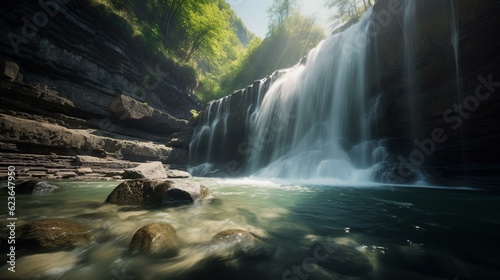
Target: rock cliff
64, 66
455, 130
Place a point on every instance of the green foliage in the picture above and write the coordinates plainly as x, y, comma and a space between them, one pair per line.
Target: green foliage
278, 14
279, 50
347, 10
194, 114
195, 39
205, 45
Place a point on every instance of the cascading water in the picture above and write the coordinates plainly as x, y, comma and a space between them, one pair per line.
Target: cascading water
211, 136
309, 119
411, 38
317, 122
314, 122
213, 133
455, 31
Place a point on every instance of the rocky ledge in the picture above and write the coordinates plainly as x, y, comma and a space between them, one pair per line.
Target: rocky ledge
78, 86
53, 167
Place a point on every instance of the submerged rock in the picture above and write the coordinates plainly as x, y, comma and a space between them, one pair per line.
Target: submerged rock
240, 243
36, 187
155, 238
158, 192
149, 170
53, 234
340, 258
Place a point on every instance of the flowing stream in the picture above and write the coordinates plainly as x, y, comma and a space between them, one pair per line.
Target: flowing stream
404, 232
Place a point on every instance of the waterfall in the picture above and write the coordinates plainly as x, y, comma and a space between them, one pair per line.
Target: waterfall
411, 43
312, 123
212, 132
210, 141
317, 121
306, 125
455, 31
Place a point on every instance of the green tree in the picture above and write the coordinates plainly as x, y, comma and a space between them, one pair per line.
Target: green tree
207, 26
280, 50
278, 14
175, 8
200, 39
347, 9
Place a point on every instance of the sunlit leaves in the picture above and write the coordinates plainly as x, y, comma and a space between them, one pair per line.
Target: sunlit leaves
347, 9
279, 50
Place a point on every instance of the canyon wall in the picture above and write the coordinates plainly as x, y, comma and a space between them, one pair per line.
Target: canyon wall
62, 63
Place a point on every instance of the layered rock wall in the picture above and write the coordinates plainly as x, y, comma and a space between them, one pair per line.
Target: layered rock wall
65, 67
456, 131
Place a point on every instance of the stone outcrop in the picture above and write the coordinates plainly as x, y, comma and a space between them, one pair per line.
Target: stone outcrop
158, 192
155, 238
150, 170
142, 115
10, 71
76, 72
53, 234
34, 137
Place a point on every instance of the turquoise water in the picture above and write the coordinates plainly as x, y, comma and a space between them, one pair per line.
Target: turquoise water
405, 232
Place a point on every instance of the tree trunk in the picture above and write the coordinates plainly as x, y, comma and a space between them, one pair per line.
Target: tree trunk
174, 10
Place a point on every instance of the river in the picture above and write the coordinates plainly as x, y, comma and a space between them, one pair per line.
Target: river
404, 232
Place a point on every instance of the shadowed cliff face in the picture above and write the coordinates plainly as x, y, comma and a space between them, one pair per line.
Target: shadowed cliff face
71, 83
62, 45
433, 95
455, 121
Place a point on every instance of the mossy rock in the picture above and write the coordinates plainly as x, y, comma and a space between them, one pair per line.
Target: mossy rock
53, 234
158, 192
155, 238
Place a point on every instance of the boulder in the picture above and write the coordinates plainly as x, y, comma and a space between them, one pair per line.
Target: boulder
155, 238
172, 173
340, 258
53, 234
9, 70
148, 192
240, 243
36, 187
150, 170
144, 117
